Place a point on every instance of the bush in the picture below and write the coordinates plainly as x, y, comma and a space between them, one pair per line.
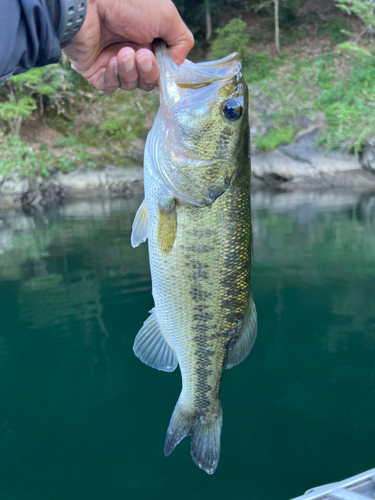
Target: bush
275, 138
334, 91
18, 158
51, 86
338, 29
259, 66
231, 38
348, 104
364, 9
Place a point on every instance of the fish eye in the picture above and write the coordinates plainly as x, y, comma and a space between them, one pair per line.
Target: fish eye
232, 109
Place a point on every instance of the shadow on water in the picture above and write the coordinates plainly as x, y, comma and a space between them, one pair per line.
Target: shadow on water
82, 418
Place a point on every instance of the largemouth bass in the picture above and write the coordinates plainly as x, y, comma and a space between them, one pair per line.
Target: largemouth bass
196, 216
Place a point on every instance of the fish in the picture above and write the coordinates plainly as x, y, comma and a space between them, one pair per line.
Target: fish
196, 216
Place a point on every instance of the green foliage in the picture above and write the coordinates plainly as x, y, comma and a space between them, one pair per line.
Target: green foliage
50, 86
275, 138
231, 38
353, 49
14, 111
63, 142
17, 158
119, 127
124, 118
364, 9
260, 66
20, 159
338, 29
314, 91
348, 104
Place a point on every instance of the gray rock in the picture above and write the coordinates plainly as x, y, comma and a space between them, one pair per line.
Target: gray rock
81, 181
367, 158
356, 180
276, 162
111, 181
14, 186
10, 202
287, 201
302, 163
304, 182
257, 183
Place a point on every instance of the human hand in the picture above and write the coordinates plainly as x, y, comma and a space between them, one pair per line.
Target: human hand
114, 46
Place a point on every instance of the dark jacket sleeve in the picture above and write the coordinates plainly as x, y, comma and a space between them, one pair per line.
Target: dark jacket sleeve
27, 37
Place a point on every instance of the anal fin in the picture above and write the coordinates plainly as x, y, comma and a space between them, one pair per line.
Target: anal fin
151, 347
140, 226
246, 338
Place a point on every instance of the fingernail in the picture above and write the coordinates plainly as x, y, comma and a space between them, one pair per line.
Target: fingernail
128, 62
145, 63
115, 68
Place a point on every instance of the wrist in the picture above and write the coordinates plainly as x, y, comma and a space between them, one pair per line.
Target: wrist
67, 17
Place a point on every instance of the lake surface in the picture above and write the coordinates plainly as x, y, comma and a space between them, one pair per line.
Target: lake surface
81, 418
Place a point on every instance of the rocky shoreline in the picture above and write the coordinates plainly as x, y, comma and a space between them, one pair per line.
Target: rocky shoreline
298, 166
303, 165
110, 182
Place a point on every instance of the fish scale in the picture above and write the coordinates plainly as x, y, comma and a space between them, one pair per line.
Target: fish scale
199, 237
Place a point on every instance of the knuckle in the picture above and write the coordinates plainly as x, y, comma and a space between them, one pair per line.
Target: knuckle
109, 90
147, 87
190, 40
129, 86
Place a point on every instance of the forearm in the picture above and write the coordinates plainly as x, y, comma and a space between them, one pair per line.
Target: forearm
29, 34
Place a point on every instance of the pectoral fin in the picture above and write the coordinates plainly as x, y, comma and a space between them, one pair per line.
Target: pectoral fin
151, 347
246, 339
140, 226
167, 226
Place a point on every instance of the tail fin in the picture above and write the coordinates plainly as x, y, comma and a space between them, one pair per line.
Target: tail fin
205, 444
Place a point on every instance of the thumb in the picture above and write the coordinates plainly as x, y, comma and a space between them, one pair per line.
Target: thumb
176, 35
180, 49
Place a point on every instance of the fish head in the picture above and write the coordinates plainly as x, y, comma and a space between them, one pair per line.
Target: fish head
201, 128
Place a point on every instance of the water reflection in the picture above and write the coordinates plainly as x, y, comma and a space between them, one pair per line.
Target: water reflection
81, 417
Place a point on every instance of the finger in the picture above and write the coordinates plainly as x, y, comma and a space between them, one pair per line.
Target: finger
176, 35
102, 60
128, 73
148, 69
109, 82
95, 79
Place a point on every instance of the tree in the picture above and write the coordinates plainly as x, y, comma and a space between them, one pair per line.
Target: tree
364, 9
208, 20
230, 38
262, 5
277, 28
26, 92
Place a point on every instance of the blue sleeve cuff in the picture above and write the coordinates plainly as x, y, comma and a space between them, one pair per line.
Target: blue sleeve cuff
27, 37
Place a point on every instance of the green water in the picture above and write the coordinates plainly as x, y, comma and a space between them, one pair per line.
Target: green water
81, 418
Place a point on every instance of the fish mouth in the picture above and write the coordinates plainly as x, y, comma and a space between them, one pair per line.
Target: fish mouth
189, 75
